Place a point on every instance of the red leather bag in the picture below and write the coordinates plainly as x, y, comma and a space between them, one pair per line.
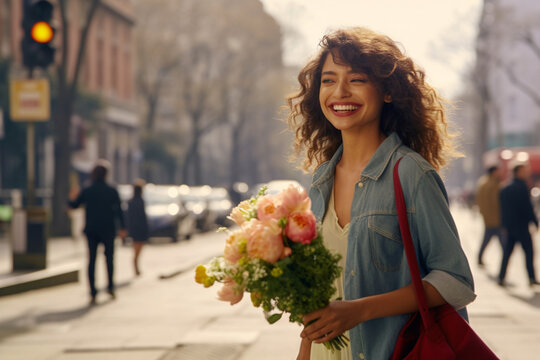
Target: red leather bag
438, 333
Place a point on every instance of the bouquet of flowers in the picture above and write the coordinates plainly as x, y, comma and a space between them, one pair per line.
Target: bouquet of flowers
277, 255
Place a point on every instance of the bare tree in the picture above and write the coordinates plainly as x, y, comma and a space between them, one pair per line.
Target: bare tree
484, 56
158, 56
196, 95
67, 94
201, 71
533, 93
254, 63
157, 52
218, 62
504, 40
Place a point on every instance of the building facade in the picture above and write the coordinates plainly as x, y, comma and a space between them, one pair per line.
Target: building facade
109, 70
107, 73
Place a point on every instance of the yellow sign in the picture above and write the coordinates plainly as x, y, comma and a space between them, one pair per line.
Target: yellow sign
29, 100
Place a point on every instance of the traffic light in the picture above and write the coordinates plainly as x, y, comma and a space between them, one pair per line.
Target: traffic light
37, 48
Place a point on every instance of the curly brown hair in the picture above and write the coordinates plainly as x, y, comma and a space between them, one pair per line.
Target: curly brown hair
416, 112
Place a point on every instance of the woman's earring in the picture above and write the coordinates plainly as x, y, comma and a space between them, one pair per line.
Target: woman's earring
387, 99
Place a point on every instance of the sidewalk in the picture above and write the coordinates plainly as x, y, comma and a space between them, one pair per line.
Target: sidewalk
164, 315
62, 261
508, 318
62, 267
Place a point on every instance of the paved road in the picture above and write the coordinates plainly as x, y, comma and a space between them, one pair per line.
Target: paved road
164, 315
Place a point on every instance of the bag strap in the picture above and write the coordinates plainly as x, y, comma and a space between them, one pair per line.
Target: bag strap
427, 317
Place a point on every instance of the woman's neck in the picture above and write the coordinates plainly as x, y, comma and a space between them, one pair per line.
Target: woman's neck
358, 148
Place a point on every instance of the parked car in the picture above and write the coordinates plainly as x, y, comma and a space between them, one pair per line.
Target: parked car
220, 206
166, 214
210, 205
238, 192
195, 199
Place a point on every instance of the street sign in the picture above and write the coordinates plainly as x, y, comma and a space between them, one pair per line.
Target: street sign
29, 100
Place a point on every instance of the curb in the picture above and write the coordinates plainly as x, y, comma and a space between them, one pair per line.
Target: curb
52, 276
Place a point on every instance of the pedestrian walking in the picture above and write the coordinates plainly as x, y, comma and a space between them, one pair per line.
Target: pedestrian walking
488, 202
517, 213
362, 106
102, 219
137, 223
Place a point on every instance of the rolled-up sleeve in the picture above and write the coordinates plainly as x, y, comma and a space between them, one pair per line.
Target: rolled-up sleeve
442, 259
453, 291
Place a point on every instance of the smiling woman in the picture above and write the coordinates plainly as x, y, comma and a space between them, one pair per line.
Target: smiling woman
363, 106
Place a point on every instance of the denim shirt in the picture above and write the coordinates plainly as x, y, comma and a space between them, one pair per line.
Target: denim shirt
376, 261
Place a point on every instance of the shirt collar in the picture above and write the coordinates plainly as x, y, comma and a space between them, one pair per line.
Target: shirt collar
325, 171
379, 161
374, 169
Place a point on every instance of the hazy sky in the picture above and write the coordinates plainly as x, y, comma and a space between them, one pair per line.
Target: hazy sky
438, 34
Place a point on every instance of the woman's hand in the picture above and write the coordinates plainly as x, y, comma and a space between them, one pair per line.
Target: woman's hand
331, 321
339, 316
305, 350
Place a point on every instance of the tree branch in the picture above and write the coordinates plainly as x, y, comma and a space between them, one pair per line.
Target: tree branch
522, 85
529, 40
82, 46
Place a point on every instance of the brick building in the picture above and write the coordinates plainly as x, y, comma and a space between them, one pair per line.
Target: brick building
107, 71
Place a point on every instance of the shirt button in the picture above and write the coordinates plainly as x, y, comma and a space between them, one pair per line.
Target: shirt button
360, 184
361, 356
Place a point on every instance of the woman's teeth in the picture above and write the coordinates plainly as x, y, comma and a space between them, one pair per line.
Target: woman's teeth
344, 107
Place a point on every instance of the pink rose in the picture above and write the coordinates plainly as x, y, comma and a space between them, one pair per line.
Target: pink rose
237, 213
294, 199
229, 292
268, 207
301, 227
264, 240
235, 246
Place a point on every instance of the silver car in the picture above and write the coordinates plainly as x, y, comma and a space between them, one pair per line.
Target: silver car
210, 205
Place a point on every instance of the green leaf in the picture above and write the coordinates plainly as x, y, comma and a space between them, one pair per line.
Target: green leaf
273, 318
284, 262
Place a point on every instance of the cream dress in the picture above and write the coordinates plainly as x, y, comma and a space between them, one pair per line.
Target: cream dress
335, 239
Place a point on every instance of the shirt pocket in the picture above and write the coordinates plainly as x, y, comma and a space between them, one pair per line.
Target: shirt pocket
385, 242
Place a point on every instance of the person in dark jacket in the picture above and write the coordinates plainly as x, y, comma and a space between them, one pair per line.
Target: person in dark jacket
103, 217
137, 223
516, 215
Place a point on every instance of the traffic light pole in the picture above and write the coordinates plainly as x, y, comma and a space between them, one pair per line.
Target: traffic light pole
30, 156
29, 226
30, 148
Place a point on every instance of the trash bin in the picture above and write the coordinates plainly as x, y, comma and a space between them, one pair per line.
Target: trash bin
29, 238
